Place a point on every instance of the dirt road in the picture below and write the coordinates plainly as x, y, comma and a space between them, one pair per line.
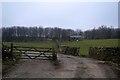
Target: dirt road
69, 67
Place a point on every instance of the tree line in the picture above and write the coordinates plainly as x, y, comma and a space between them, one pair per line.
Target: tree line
103, 32
18, 33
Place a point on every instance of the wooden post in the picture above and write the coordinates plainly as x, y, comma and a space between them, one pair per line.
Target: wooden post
78, 49
11, 51
54, 55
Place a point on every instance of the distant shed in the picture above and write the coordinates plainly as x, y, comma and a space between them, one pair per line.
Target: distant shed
76, 38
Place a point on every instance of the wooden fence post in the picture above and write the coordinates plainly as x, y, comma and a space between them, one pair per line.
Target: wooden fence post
54, 55
11, 51
11, 48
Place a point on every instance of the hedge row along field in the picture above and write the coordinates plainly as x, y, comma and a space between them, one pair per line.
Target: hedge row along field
70, 50
105, 53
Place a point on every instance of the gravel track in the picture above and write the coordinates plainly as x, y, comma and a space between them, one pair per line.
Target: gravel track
68, 67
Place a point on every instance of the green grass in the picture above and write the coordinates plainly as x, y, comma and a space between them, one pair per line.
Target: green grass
84, 45
31, 44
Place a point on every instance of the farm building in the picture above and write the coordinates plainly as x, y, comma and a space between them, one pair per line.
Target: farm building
76, 38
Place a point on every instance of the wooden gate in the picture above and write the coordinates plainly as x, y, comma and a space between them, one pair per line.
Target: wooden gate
42, 53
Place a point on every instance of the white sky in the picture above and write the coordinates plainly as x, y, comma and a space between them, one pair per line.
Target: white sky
60, 0
73, 15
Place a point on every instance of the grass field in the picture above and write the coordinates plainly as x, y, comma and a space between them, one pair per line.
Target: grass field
31, 44
84, 45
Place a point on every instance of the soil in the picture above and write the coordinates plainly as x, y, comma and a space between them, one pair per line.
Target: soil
66, 67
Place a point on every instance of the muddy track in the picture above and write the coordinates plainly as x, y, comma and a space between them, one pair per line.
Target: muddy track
68, 67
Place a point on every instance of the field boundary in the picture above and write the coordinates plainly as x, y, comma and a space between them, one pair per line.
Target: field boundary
105, 53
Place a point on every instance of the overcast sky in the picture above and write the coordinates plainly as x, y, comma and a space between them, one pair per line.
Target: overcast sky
73, 15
